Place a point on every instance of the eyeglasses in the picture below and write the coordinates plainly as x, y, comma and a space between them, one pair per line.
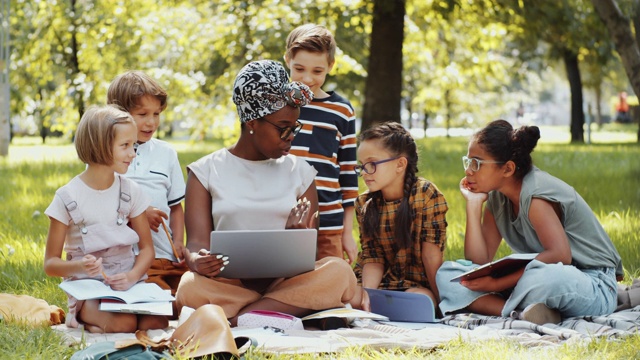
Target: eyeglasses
474, 163
370, 167
287, 130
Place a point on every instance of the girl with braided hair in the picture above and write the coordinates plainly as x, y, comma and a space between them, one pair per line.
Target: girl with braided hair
401, 217
574, 273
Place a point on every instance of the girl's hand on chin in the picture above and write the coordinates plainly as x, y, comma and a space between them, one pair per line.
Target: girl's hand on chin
468, 194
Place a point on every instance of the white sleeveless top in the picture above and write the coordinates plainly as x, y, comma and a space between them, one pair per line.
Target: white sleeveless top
252, 195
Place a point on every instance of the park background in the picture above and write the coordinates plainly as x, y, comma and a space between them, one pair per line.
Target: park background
436, 64
463, 64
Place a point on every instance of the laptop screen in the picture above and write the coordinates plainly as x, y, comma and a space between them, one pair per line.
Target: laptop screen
257, 254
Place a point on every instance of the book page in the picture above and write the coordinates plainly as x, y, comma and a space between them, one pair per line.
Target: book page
87, 289
345, 313
152, 308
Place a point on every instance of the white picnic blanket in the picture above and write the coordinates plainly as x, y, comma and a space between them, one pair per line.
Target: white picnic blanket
469, 327
272, 340
618, 324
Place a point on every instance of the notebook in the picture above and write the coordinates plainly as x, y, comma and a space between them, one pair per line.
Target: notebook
498, 268
402, 306
257, 254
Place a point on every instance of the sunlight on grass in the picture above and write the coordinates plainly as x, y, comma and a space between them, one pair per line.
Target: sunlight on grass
40, 153
21, 341
607, 135
623, 228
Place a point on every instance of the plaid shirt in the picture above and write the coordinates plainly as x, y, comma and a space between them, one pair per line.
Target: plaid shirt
404, 269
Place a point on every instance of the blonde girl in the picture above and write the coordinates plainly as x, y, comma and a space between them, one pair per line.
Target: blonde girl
89, 218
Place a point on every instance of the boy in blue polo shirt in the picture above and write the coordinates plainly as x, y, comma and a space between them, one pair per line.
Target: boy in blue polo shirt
157, 170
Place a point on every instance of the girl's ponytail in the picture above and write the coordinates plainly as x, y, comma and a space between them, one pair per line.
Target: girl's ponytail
504, 143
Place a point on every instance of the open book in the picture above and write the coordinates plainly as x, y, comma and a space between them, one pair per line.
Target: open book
345, 312
498, 268
87, 289
145, 308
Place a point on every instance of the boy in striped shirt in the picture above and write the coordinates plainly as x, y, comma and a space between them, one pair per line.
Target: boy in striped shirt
327, 139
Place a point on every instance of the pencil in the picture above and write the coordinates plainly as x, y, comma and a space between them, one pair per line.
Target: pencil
104, 275
175, 252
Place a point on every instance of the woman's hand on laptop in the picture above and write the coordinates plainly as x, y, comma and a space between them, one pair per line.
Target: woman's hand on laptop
207, 264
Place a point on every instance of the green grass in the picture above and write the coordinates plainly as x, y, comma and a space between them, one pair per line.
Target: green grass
606, 174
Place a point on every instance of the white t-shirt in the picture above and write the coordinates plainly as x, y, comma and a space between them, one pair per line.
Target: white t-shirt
252, 195
157, 170
96, 206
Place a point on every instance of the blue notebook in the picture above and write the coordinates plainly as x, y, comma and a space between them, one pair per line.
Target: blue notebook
402, 306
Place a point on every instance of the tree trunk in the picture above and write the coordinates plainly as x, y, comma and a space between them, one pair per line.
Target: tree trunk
575, 83
5, 113
447, 105
425, 123
75, 64
636, 26
626, 44
384, 74
599, 105
45, 129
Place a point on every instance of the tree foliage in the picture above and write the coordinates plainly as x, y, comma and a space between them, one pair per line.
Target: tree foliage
462, 62
571, 34
66, 52
457, 61
5, 125
621, 29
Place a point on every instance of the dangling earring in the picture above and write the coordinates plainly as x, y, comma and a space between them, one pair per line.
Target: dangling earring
251, 132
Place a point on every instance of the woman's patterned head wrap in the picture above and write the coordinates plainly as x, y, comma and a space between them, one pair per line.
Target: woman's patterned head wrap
262, 88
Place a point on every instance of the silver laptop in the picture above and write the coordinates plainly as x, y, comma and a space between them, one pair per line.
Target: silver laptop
257, 254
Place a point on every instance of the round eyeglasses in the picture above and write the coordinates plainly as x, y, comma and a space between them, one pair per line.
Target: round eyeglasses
370, 167
286, 131
474, 164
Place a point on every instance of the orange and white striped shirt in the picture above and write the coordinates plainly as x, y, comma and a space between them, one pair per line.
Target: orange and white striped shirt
327, 141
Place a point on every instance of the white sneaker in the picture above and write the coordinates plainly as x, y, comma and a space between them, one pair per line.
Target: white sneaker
540, 314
